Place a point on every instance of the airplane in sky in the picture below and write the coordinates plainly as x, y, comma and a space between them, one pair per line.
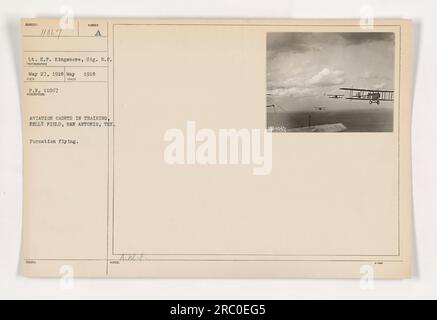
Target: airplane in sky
335, 96
320, 108
371, 95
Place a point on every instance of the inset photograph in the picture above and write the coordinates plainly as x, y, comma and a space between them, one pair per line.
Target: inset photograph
330, 82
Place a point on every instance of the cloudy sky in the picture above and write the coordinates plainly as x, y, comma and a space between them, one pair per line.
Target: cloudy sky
303, 67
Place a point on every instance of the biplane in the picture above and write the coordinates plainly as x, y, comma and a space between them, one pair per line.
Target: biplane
371, 95
335, 96
320, 108
272, 106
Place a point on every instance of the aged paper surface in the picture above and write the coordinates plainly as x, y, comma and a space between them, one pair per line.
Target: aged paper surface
149, 151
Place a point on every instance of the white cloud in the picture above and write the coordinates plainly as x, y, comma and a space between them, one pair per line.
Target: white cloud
327, 77
293, 92
379, 86
368, 75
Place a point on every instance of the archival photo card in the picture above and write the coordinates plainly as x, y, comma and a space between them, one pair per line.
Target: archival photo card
330, 81
147, 150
